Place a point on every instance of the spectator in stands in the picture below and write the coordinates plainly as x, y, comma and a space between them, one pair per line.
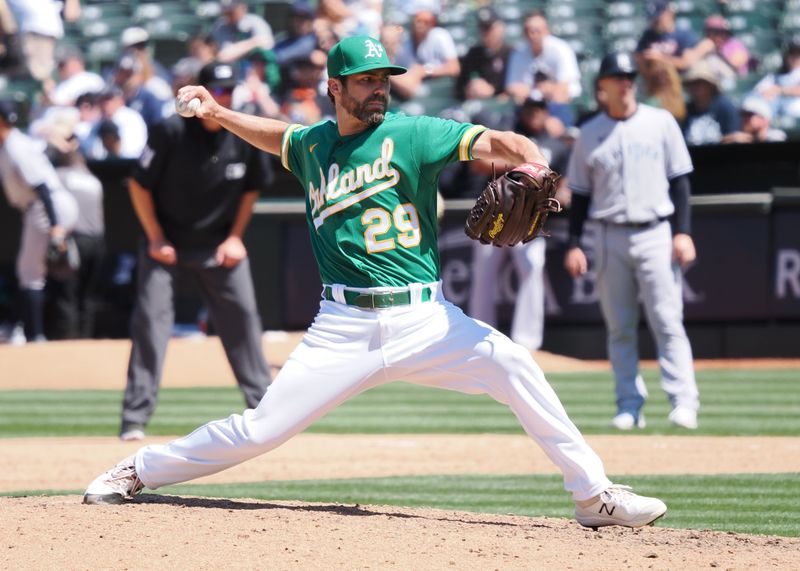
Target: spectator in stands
135, 41
427, 51
129, 76
184, 72
300, 40
304, 103
203, 48
546, 66
76, 304
89, 115
722, 46
39, 28
262, 79
9, 54
238, 31
710, 114
661, 87
265, 64
483, 68
73, 78
756, 115
352, 17
782, 88
663, 39
131, 128
109, 137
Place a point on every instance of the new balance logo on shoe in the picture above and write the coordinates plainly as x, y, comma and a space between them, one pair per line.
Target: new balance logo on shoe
605, 507
617, 505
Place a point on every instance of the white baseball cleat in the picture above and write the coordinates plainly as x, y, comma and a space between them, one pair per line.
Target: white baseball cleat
619, 506
132, 435
627, 421
683, 417
114, 486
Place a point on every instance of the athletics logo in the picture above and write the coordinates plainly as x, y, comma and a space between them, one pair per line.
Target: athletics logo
373, 49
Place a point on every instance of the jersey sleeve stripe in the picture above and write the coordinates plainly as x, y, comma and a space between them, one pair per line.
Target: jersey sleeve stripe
287, 137
465, 147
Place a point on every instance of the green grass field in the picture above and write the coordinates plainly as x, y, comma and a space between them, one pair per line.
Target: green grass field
756, 403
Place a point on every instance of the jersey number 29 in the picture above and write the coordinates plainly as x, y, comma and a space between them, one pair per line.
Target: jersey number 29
379, 222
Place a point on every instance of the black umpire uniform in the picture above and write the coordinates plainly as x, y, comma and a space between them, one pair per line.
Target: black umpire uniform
194, 181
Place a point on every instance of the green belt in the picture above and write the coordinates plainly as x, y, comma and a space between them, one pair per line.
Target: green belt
377, 300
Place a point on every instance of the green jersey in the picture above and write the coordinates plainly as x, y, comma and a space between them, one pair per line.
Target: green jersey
371, 197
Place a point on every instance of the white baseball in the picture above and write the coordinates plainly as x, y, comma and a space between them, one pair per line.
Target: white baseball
187, 109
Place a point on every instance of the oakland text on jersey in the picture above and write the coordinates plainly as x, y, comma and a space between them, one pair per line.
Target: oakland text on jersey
341, 184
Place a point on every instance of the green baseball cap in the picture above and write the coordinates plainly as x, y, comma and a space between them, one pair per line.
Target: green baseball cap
358, 54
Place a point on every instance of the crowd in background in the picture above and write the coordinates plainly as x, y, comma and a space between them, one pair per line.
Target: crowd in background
84, 111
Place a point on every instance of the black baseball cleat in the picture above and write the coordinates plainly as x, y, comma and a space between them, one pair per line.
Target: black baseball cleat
619, 506
114, 486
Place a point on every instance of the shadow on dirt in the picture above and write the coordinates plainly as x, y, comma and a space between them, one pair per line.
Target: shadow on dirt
338, 509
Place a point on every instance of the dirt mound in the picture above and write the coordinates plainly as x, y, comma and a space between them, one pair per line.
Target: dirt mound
199, 533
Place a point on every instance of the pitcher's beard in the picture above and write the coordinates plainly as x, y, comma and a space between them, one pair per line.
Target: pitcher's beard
361, 112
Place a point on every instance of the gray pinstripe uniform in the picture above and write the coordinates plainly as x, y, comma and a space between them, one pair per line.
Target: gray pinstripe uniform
625, 167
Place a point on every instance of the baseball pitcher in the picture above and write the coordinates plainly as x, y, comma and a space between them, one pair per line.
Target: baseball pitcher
370, 181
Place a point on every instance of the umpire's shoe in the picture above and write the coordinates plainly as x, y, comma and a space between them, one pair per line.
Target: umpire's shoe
118, 484
619, 506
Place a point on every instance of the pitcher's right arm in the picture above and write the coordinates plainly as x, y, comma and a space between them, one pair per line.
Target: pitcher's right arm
262, 133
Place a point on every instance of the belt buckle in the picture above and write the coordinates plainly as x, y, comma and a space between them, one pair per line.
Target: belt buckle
374, 300
383, 300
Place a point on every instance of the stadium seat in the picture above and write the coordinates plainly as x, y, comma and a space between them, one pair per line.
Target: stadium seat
91, 29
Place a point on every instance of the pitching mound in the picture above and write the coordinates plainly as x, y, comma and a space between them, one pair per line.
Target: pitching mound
198, 533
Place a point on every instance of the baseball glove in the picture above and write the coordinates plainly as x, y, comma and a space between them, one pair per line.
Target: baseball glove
514, 206
62, 258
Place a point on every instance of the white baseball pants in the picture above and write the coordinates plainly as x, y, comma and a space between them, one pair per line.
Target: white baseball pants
348, 350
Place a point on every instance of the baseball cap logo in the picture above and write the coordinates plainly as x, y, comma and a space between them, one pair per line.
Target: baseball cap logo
373, 49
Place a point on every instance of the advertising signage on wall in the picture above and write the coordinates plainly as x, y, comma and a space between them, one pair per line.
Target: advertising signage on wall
747, 269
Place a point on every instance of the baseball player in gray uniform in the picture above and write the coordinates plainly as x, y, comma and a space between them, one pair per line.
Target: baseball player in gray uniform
49, 212
629, 174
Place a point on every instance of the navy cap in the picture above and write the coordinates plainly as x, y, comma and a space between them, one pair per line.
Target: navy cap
655, 8
486, 18
8, 111
216, 74
303, 10
617, 63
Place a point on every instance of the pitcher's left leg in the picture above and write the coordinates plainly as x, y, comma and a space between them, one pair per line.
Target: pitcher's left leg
470, 357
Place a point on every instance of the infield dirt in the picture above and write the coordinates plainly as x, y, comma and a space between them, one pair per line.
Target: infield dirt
160, 532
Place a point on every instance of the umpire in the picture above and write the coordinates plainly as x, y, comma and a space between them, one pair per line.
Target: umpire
193, 192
